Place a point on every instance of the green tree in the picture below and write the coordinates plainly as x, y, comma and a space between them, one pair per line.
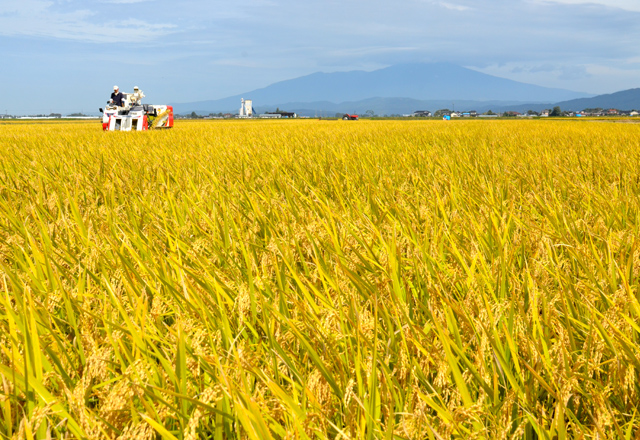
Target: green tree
442, 112
556, 111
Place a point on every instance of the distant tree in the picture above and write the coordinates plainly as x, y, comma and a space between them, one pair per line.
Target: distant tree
489, 112
339, 115
556, 111
370, 113
442, 112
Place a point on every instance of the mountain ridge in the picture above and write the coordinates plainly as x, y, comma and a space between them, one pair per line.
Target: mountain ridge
420, 82
623, 100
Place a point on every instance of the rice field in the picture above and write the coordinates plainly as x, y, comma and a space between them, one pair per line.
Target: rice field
320, 280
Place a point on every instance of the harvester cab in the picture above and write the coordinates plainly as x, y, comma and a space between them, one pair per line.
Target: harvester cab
135, 116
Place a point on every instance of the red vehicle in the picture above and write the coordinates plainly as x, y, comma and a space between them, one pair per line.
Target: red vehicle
348, 117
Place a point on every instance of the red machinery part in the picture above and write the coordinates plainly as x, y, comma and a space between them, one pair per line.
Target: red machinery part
170, 121
105, 125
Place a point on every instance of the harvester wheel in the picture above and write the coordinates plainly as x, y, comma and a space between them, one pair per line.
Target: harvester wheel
345, 118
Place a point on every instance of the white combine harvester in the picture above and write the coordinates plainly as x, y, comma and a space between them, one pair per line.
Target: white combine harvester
135, 116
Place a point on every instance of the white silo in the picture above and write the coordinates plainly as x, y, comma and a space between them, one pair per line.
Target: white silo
246, 108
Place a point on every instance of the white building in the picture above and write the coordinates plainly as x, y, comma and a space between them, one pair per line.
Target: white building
246, 108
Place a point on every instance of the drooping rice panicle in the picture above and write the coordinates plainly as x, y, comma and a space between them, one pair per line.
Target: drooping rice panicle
320, 279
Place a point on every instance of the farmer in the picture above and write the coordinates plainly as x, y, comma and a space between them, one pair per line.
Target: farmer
117, 97
136, 96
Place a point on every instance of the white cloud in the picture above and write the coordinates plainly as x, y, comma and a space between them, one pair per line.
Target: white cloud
125, 1
629, 5
580, 77
453, 7
40, 18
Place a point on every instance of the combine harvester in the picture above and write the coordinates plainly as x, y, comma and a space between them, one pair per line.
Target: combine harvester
348, 117
135, 116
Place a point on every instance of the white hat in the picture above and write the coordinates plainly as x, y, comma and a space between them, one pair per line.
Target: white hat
115, 87
135, 88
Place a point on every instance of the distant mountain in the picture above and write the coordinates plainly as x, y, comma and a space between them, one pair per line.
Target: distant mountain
624, 100
430, 81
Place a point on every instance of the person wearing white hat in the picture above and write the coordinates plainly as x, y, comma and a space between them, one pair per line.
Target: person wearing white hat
117, 96
136, 96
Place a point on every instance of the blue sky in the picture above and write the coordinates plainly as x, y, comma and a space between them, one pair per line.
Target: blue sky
66, 55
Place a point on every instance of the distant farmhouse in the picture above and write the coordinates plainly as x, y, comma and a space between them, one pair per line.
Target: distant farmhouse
528, 114
279, 114
444, 112
247, 111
